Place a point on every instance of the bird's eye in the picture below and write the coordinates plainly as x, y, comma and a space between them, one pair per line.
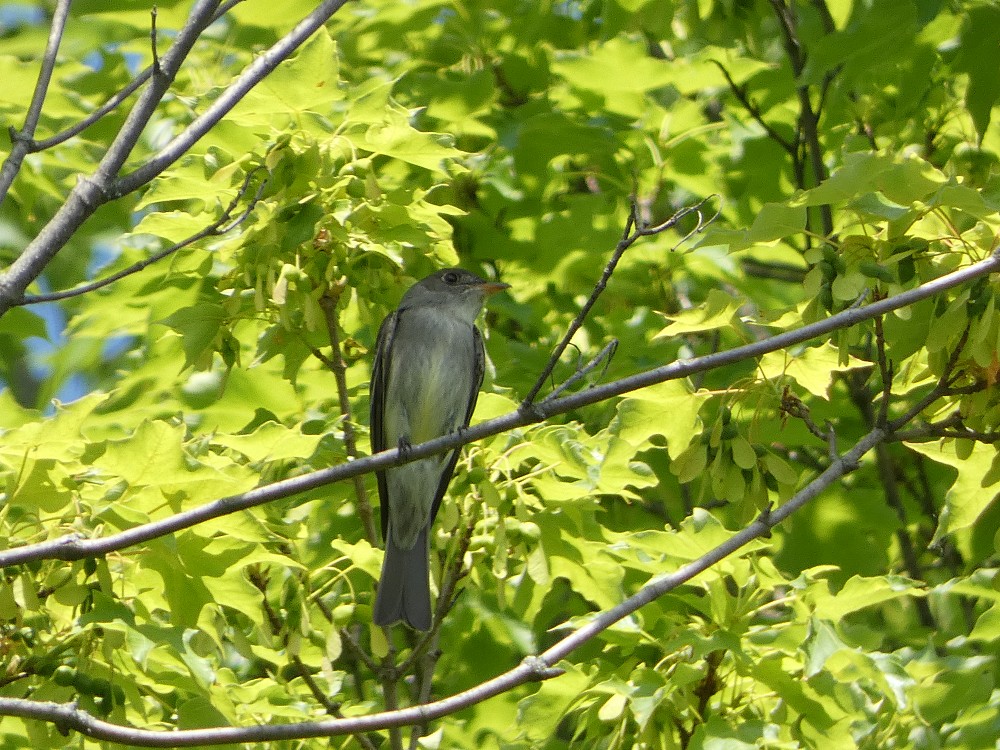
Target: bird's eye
451, 277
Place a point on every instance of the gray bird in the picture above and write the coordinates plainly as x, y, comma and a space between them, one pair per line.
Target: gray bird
425, 381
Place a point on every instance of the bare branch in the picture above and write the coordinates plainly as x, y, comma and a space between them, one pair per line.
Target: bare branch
885, 371
741, 95
102, 186
335, 362
21, 143
224, 224
254, 73
73, 547
91, 191
951, 427
634, 230
943, 387
112, 104
109, 106
808, 117
605, 355
152, 41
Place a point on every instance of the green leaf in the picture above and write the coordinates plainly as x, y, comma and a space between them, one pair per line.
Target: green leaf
744, 455
776, 221
861, 592
309, 82
965, 500
198, 326
976, 44
901, 180
432, 151
152, 455
813, 368
271, 442
718, 311
987, 627
640, 416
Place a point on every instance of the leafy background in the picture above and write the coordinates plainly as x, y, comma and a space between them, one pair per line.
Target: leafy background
851, 151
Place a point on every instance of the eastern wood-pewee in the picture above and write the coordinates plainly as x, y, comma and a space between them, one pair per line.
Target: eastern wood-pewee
425, 382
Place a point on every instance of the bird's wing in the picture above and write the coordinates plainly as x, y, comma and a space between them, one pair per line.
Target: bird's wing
380, 377
477, 383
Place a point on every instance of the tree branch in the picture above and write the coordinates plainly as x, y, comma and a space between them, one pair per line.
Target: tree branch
808, 118
102, 186
741, 95
72, 547
21, 142
254, 74
112, 104
328, 303
222, 225
91, 191
634, 229
605, 355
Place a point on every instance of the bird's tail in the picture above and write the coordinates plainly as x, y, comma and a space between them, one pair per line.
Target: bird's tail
404, 591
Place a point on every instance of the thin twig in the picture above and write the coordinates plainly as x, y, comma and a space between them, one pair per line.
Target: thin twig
885, 463
112, 104
261, 66
808, 120
363, 656
634, 230
93, 191
943, 387
754, 111
152, 41
225, 223
607, 353
425, 680
389, 675
335, 362
323, 699
97, 114
885, 371
259, 581
450, 578
21, 142
933, 432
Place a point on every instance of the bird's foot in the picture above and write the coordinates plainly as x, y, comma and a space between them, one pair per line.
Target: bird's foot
404, 446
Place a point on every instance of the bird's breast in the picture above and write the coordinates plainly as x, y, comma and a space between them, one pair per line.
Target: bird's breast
433, 366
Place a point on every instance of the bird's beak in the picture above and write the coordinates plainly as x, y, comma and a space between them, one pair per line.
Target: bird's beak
492, 287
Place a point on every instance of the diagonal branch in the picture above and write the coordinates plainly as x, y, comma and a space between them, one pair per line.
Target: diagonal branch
21, 141
634, 230
605, 355
254, 74
91, 191
335, 362
104, 185
741, 95
72, 547
111, 104
224, 224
